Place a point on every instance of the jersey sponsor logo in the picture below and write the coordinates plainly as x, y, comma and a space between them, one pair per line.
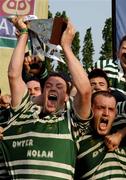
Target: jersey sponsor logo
97, 152
121, 151
38, 153
22, 143
33, 152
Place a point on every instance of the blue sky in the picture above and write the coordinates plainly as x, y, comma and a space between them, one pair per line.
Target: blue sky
85, 14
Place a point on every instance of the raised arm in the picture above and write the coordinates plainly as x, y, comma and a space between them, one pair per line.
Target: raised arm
82, 101
17, 85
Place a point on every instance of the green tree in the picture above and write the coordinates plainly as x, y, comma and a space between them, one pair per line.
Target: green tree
76, 45
87, 50
106, 48
49, 14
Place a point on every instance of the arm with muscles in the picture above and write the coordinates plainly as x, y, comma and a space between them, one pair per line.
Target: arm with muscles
113, 141
82, 100
17, 85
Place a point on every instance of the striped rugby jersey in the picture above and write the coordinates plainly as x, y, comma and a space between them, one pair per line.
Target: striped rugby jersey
94, 162
36, 148
115, 74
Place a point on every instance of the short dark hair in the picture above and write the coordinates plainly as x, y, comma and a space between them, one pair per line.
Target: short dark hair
103, 93
98, 73
62, 75
32, 78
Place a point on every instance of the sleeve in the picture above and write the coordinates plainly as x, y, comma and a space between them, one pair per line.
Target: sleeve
80, 126
22, 108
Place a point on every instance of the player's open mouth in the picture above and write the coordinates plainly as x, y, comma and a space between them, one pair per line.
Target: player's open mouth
103, 124
52, 97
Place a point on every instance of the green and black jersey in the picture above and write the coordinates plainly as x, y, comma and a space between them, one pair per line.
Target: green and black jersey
94, 162
37, 148
114, 72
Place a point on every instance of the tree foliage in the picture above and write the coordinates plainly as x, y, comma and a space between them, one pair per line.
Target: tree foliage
106, 48
49, 15
76, 44
87, 50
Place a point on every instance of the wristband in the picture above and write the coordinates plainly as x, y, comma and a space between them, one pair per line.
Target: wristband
24, 31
